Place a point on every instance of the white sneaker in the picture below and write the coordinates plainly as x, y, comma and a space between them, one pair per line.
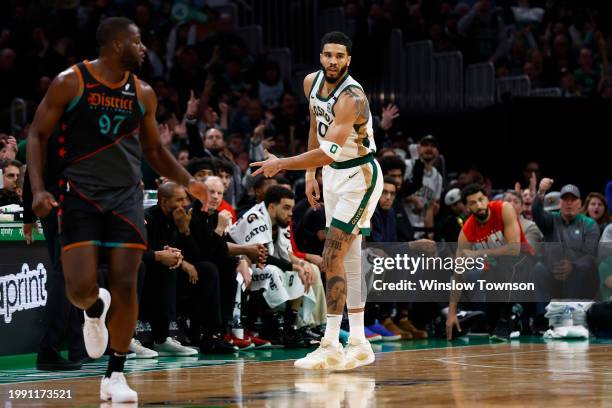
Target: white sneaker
172, 347
115, 389
328, 356
141, 351
95, 333
358, 353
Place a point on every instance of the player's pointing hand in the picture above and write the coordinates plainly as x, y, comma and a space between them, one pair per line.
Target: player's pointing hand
268, 167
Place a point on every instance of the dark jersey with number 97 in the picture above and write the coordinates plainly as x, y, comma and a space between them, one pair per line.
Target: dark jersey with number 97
98, 134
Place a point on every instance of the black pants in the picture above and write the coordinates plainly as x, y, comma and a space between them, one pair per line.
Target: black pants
63, 320
208, 304
158, 301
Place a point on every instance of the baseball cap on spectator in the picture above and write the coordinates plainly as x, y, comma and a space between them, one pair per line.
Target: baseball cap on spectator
498, 197
570, 189
453, 196
429, 139
552, 201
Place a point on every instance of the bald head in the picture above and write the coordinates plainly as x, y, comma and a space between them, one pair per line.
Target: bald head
171, 196
166, 190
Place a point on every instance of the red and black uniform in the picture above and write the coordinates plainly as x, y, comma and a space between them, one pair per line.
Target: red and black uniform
100, 155
490, 234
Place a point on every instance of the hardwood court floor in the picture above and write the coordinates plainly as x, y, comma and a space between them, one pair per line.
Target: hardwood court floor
522, 373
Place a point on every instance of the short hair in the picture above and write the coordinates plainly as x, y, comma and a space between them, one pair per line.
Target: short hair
111, 28
201, 163
166, 190
275, 194
471, 189
337, 37
515, 194
15, 163
283, 180
259, 181
389, 163
225, 166
389, 180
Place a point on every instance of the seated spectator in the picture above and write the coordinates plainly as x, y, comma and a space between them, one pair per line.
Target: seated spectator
450, 225
394, 167
383, 220
9, 193
530, 229
315, 259
424, 188
162, 259
283, 279
596, 207
225, 171
209, 299
569, 269
260, 186
201, 168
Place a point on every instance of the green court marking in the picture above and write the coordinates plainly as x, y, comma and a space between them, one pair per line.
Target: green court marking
22, 368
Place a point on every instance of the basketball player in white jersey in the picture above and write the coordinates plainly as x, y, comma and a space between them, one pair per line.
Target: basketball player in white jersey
341, 140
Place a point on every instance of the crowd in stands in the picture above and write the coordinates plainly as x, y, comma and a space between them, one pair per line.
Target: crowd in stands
562, 44
220, 109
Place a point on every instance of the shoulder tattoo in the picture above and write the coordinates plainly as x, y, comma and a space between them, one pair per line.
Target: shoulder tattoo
361, 101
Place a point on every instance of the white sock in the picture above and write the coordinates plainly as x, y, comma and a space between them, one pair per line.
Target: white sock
332, 329
356, 325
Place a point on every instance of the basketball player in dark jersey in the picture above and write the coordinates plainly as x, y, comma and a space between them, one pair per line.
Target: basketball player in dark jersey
492, 231
104, 120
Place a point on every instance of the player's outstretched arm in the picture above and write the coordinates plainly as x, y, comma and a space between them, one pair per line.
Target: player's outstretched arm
347, 109
451, 319
159, 157
313, 194
62, 90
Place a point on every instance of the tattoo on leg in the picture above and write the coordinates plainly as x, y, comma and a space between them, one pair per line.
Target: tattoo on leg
336, 246
335, 295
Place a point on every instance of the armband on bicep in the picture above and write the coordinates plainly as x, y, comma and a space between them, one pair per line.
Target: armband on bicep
331, 149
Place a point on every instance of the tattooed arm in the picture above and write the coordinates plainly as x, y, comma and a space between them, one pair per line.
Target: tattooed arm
350, 109
337, 244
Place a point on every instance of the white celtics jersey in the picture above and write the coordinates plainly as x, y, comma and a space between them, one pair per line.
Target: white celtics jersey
361, 140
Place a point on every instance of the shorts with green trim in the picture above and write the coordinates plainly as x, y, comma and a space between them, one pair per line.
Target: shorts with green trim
351, 191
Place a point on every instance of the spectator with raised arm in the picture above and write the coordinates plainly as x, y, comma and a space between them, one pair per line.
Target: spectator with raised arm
569, 270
